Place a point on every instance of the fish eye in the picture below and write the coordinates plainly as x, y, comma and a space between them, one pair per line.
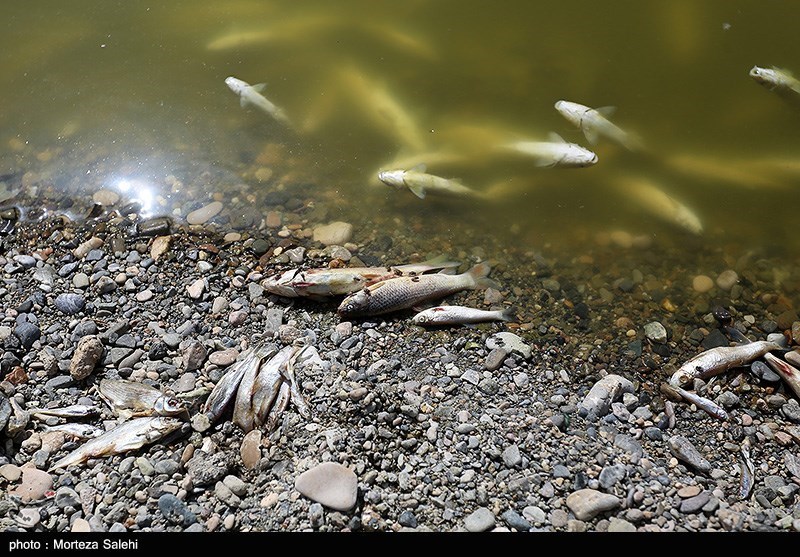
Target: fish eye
422, 319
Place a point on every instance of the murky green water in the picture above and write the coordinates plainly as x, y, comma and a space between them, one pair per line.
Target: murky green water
123, 95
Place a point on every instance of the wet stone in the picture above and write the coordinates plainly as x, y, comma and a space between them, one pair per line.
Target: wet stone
509, 342
205, 213
655, 332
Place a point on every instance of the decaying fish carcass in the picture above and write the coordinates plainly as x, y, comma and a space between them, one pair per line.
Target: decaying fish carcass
261, 386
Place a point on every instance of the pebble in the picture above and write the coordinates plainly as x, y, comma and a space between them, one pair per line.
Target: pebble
205, 213
683, 450
91, 244
11, 472
27, 333
480, 520
620, 525
330, 484
585, 504
194, 355
208, 469
702, 283
606, 391
511, 456
334, 233
69, 303
223, 358
144, 296
196, 289
250, 450
67, 497
509, 342
727, 279
175, 510
87, 355
160, 246
495, 359
34, 486
655, 332
80, 525
695, 504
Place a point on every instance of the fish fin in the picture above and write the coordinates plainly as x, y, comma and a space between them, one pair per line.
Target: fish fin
258, 87
417, 190
553, 137
606, 111
421, 167
591, 135
243, 101
479, 274
448, 271
544, 163
509, 314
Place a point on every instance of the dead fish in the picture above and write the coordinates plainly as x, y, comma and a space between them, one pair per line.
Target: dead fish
73, 411
779, 80
306, 355
126, 437
226, 388
556, 152
457, 315
789, 373
325, 282
131, 398
404, 292
421, 183
594, 123
251, 95
719, 360
280, 403
265, 389
80, 431
657, 202
708, 406
747, 471
243, 414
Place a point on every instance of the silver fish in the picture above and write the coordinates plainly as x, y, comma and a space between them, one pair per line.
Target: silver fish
126, 437
657, 202
243, 414
776, 79
133, 399
708, 406
404, 292
420, 183
306, 355
251, 95
226, 388
789, 373
457, 315
281, 402
73, 411
594, 123
266, 387
554, 153
344, 280
719, 360
81, 431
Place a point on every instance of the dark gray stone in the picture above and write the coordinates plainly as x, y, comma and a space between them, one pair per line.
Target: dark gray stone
27, 333
69, 303
516, 521
175, 510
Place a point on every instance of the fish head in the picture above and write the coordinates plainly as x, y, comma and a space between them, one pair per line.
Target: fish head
394, 178
684, 375
764, 76
169, 406
355, 304
422, 318
571, 111
282, 284
235, 85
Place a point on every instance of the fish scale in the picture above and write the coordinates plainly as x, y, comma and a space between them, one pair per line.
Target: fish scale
405, 292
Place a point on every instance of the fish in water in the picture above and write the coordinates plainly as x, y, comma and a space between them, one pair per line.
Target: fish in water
457, 315
653, 199
554, 153
421, 183
338, 281
776, 79
251, 95
594, 123
399, 293
126, 437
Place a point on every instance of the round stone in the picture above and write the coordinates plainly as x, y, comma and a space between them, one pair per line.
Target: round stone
702, 283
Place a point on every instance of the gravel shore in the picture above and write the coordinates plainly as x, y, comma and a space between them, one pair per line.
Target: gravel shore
552, 423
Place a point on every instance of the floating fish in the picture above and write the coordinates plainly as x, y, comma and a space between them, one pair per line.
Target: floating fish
126, 437
382, 108
654, 200
404, 292
554, 153
132, 399
251, 95
719, 360
338, 281
776, 79
457, 315
421, 183
594, 123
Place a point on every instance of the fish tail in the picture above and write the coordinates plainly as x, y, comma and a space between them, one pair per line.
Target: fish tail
509, 314
479, 275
